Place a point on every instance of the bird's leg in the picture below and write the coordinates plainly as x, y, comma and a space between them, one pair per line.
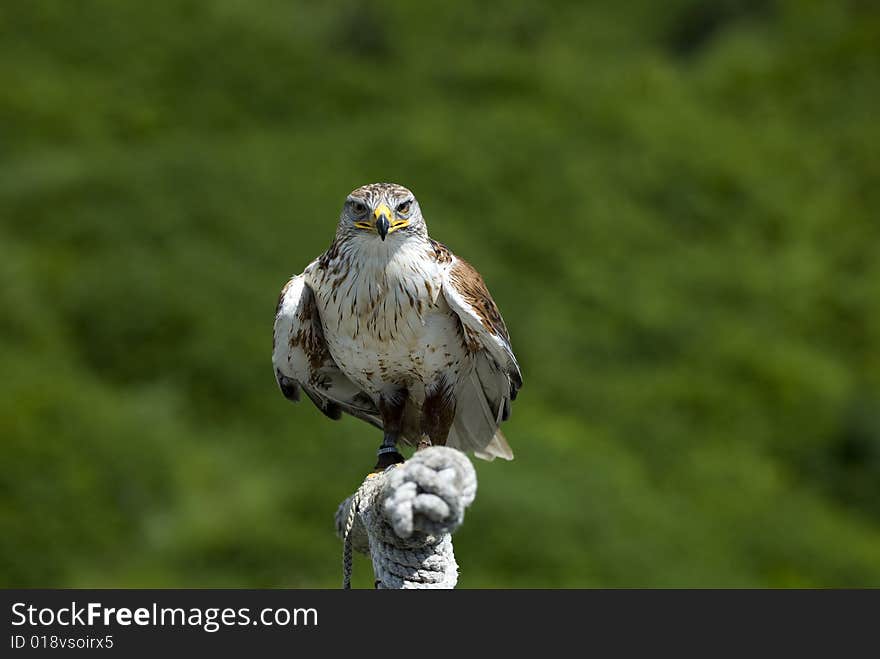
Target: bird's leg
391, 407
438, 412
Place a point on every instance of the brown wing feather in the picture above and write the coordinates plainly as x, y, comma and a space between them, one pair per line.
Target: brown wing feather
471, 286
484, 393
472, 291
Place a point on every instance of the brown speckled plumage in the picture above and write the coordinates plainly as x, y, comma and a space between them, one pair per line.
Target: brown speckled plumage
398, 331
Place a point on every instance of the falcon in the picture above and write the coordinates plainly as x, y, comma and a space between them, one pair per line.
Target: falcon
389, 326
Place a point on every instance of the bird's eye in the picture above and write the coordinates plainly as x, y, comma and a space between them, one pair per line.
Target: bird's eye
358, 208
403, 208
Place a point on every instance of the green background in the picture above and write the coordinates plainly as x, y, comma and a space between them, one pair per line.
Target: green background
675, 205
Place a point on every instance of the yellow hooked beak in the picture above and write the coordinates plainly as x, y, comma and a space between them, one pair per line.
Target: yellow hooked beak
383, 221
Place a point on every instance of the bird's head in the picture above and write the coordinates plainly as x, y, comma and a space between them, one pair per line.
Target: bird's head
384, 212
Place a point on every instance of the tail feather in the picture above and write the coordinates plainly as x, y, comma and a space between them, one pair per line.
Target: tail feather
497, 448
475, 427
495, 387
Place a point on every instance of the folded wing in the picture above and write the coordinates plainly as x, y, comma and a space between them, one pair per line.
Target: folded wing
483, 396
302, 360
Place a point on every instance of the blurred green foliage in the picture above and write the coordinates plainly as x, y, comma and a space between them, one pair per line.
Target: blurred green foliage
675, 205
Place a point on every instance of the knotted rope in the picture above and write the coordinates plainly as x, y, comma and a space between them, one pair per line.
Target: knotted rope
404, 517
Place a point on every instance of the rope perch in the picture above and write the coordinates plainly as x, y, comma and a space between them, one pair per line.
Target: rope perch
404, 518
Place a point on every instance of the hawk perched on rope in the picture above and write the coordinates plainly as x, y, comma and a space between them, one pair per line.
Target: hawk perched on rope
391, 327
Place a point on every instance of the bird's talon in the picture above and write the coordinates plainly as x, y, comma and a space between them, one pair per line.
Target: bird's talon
387, 459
